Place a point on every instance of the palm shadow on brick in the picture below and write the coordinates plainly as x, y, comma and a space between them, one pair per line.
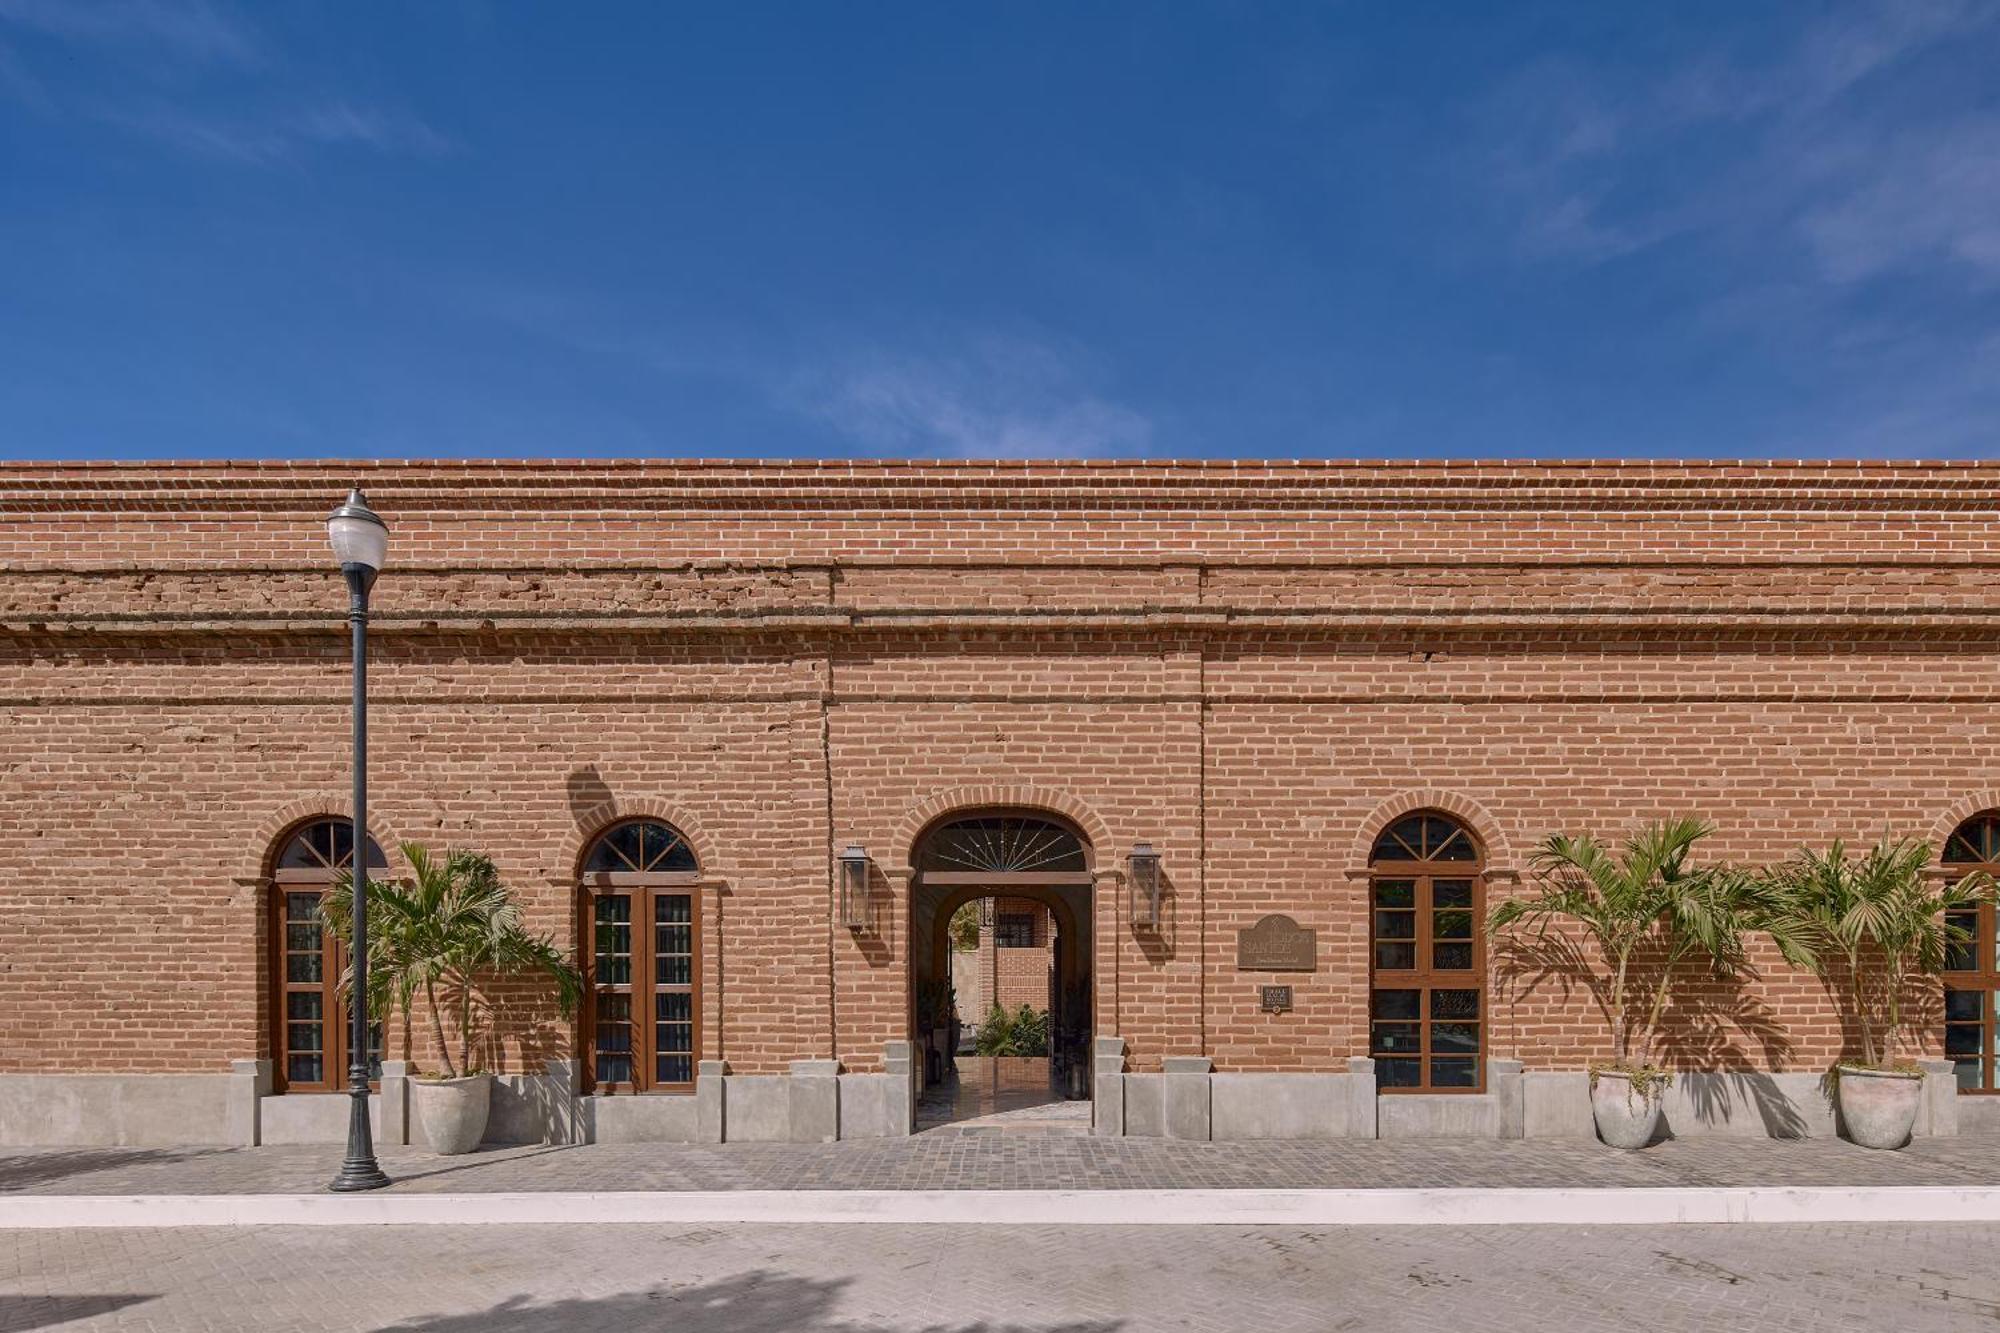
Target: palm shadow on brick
22, 1169
756, 1302
21, 1313
1708, 1018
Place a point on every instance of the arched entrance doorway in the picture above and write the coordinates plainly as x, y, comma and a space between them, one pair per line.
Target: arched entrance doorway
1000, 986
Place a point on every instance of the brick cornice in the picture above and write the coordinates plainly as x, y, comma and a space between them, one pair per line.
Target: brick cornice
583, 487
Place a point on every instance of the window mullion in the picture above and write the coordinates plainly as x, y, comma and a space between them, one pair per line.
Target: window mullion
335, 1037
645, 970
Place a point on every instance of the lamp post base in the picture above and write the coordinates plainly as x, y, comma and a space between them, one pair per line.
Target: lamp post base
358, 1170
358, 1175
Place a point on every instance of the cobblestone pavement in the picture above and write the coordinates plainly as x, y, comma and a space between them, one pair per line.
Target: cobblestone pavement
854, 1279
1000, 1161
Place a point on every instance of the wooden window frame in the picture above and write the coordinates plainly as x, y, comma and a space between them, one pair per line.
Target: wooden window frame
1015, 919
1425, 978
284, 881
645, 889
1983, 977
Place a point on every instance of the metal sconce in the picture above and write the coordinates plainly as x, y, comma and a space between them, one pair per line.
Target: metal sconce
1145, 886
854, 888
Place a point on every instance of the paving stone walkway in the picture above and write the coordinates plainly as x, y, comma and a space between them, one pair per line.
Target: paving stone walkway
1037, 1279
974, 1161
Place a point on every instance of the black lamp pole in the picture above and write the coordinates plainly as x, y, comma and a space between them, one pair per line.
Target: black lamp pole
360, 539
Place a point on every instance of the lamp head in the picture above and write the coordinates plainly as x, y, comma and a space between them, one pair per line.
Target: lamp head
359, 537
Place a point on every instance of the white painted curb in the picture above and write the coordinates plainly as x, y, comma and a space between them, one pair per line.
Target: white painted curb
1370, 1207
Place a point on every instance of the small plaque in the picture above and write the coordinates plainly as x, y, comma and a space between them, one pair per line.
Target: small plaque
1275, 999
1277, 944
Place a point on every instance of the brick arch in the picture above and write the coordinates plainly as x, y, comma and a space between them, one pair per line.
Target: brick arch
604, 814
321, 805
1499, 852
1957, 813
918, 819
939, 946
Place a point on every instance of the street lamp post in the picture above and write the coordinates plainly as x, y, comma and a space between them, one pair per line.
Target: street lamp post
360, 542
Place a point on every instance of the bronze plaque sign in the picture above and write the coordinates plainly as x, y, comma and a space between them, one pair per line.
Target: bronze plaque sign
1275, 999
1277, 944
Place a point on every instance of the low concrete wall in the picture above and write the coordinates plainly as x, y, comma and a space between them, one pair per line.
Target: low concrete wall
757, 1108
534, 1108
1555, 1104
1979, 1115
1145, 1109
1440, 1116
814, 1103
1285, 1106
873, 1106
640, 1120
118, 1110
317, 1117
1748, 1105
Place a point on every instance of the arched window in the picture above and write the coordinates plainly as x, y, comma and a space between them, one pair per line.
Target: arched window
1427, 1001
308, 1022
1972, 972
642, 1015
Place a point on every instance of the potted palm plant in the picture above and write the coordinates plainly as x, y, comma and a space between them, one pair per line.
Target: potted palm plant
440, 934
1875, 922
1649, 914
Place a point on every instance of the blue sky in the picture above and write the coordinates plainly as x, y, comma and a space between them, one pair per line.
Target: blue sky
1588, 230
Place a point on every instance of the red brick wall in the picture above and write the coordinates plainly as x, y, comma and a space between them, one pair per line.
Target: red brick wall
1242, 664
1022, 971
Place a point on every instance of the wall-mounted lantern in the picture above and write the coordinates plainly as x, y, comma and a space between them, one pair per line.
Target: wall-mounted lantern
854, 888
1145, 886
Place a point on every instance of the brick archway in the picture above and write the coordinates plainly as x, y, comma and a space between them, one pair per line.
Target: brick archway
1957, 813
596, 819
1499, 852
1067, 895
263, 843
918, 820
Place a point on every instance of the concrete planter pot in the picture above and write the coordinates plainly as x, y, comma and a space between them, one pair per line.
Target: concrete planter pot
1879, 1106
1626, 1117
453, 1111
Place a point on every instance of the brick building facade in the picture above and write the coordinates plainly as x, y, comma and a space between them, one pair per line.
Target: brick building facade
1257, 669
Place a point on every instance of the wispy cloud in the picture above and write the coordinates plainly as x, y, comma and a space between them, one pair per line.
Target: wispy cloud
1593, 166
1837, 203
1006, 398
967, 394
270, 142
1925, 196
176, 63
190, 29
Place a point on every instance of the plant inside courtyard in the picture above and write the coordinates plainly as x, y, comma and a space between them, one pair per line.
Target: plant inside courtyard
965, 928
451, 926
1025, 1031
1873, 923
1651, 915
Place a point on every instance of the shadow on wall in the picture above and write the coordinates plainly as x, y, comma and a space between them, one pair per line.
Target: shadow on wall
588, 793
1922, 1005
1721, 1079
756, 1302
1712, 1070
